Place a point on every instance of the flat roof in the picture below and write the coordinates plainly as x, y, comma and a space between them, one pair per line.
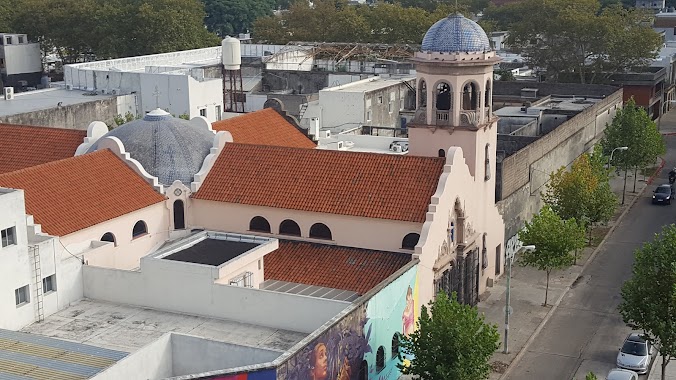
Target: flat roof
29, 356
127, 328
370, 84
212, 252
30, 101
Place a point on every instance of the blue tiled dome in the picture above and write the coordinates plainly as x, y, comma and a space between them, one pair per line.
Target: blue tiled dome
455, 33
169, 148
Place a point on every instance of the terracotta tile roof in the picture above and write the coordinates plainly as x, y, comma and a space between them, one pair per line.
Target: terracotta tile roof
23, 146
264, 127
336, 182
69, 195
355, 269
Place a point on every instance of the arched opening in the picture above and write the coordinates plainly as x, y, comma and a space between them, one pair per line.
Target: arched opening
484, 253
140, 229
395, 345
410, 241
470, 96
259, 224
108, 236
442, 153
487, 163
422, 94
364, 370
452, 232
380, 359
443, 101
320, 231
289, 227
487, 97
179, 216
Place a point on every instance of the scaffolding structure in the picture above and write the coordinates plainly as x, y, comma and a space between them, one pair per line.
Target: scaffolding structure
339, 52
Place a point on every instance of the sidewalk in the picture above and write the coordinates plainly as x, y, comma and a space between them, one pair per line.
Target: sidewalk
528, 288
656, 372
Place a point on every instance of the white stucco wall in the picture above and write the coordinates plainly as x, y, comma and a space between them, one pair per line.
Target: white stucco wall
205, 94
341, 107
153, 361
22, 58
350, 231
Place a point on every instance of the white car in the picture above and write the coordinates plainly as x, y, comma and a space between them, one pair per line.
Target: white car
621, 374
635, 354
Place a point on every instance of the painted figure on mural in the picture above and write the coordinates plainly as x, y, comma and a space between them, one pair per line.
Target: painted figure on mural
319, 365
408, 318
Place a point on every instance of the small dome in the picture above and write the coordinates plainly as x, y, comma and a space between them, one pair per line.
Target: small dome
169, 148
455, 33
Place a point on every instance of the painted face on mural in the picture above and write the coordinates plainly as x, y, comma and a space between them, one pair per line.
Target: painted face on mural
319, 369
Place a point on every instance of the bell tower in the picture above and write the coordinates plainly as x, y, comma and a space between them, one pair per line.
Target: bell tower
454, 94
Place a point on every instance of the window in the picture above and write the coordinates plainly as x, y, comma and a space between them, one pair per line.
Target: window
470, 95
497, 260
364, 370
289, 227
422, 94
389, 107
410, 241
368, 115
442, 153
179, 215
380, 100
259, 224
244, 280
21, 295
401, 104
444, 99
203, 112
8, 40
49, 284
487, 163
218, 112
484, 253
8, 236
140, 229
380, 359
20, 39
320, 231
395, 345
108, 236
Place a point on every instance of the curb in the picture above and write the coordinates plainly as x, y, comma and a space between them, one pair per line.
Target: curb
668, 134
555, 306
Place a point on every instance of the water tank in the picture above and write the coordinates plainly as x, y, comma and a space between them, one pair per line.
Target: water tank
231, 54
44, 81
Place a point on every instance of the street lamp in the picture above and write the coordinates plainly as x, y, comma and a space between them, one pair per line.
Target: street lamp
510, 259
610, 159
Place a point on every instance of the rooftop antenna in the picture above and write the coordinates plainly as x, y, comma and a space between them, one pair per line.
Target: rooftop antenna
156, 94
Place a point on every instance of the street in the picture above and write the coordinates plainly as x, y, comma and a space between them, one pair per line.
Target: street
586, 330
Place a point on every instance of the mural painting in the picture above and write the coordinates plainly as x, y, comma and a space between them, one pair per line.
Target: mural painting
393, 311
266, 374
336, 355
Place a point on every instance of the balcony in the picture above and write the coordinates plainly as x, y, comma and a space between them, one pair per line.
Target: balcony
443, 118
469, 118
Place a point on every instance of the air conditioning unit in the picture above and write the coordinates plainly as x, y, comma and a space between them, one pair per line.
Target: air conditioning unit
397, 149
9, 93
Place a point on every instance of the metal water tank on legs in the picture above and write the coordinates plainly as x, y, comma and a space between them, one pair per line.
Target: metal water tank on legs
231, 54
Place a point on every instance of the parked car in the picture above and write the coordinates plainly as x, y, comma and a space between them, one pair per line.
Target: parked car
663, 194
635, 354
621, 374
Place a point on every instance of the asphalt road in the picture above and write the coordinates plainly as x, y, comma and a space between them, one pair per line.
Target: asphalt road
586, 331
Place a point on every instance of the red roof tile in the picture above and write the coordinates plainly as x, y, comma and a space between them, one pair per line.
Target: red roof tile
368, 185
264, 127
72, 194
23, 146
355, 269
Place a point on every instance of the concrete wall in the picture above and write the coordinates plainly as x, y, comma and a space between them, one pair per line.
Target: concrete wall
22, 58
195, 355
153, 361
76, 116
544, 88
525, 173
207, 94
190, 288
386, 114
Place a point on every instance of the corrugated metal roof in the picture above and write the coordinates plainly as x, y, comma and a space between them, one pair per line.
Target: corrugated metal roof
28, 356
309, 290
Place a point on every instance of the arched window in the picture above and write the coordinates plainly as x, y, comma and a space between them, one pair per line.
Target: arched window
259, 224
179, 217
470, 96
320, 231
364, 370
410, 241
140, 229
108, 236
452, 232
380, 359
484, 253
443, 101
422, 94
487, 96
487, 163
395, 345
442, 153
289, 227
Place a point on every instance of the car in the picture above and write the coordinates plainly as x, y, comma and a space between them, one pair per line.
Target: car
621, 374
663, 194
635, 354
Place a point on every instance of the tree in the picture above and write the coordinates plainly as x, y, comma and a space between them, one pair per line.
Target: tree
554, 240
633, 128
579, 38
649, 296
591, 376
231, 17
452, 342
602, 203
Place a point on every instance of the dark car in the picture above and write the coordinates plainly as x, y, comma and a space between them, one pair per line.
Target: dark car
663, 194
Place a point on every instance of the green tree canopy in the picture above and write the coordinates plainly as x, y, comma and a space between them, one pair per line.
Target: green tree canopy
452, 342
632, 127
231, 17
579, 38
554, 240
649, 296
